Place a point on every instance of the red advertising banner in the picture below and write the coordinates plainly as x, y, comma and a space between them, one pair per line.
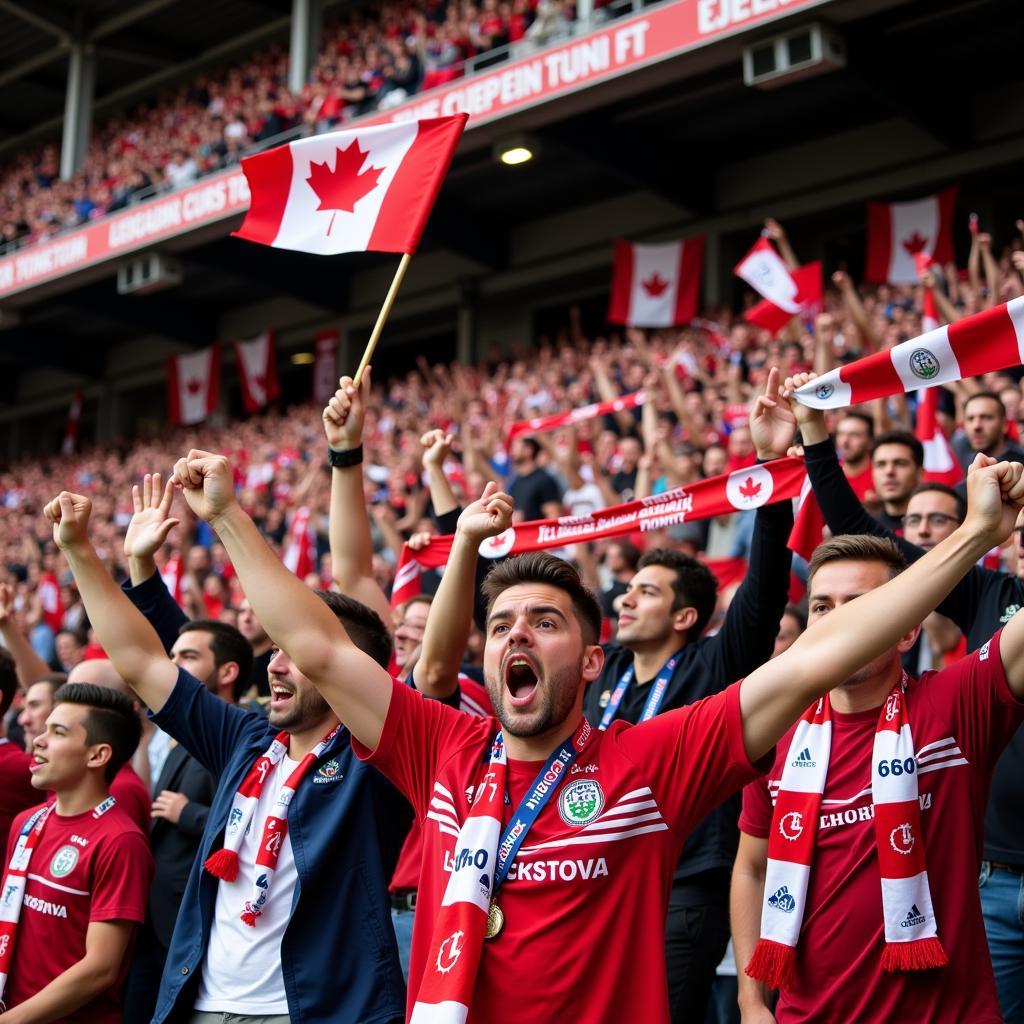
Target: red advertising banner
622, 46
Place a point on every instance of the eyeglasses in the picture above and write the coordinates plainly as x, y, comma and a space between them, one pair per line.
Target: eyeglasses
936, 520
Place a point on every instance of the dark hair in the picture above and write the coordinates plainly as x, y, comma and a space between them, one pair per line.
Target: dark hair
363, 625
630, 553
55, 680
796, 612
551, 571
992, 396
111, 719
859, 547
227, 645
694, 585
533, 444
852, 414
8, 680
903, 437
931, 485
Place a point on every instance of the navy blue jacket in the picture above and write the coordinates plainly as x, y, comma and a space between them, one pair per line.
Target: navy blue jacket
346, 823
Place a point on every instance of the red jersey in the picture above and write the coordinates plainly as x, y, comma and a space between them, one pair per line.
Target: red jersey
132, 797
16, 789
960, 718
586, 897
862, 483
83, 869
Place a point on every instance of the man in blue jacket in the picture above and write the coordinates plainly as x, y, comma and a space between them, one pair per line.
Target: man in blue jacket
285, 916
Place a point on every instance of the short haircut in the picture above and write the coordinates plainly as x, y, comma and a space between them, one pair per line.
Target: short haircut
54, 680
533, 444
630, 553
796, 612
548, 570
694, 585
111, 719
903, 437
8, 680
426, 599
852, 414
227, 644
992, 396
932, 485
857, 547
363, 625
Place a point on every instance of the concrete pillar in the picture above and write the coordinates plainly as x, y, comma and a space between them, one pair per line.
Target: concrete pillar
305, 41
466, 323
77, 108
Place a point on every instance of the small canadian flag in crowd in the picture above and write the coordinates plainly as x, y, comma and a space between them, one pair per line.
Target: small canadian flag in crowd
193, 385
899, 232
785, 292
257, 371
300, 547
325, 366
656, 285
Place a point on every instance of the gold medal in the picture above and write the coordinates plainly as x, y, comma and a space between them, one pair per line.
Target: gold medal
495, 921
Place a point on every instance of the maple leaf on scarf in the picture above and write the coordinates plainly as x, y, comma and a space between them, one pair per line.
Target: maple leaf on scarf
343, 187
915, 243
749, 489
655, 285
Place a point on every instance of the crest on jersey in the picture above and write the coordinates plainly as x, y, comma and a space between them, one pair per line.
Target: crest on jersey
581, 802
64, 861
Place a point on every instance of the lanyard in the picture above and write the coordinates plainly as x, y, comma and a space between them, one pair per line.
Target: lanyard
654, 699
536, 800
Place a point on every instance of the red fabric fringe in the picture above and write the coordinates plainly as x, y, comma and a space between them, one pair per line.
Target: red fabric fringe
773, 963
249, 918
223, 865
922, 955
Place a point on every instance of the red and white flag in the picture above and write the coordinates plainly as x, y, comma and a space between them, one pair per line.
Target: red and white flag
325, 366
808, 523
983, 343
300, 545
656, 285
70, 442
257, 371
778, 480
52, 604
770, 276
193, 385
897, 232
366, 189
809, 295
940, 464
173, 575
540, 424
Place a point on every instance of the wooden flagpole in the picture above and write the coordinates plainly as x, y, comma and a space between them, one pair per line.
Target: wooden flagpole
385, 310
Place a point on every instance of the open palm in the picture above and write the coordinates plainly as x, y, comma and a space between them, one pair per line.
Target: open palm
152, 521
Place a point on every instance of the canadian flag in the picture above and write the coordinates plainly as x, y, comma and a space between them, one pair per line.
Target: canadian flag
809, 293
257, 371
940, 464
193, 385
769, 275
367, 189
983, 343
300, 547
897, 232
656, 285
70, 442
325, 366
808, 523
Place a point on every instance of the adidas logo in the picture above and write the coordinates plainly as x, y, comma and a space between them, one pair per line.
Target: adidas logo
804, 760
914, 917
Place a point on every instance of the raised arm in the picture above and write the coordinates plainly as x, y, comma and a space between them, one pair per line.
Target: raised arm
437, 446
853, 634
349, 529
150, 525
131, 643
855, 307
30, 667
451, 612
355, 686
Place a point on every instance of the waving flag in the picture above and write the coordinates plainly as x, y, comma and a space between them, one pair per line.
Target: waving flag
808, 523
897, 232
982, 343
367, 189
193, 385
809, 293
540, 424
940, 464
656, 285
257, 371
770, 276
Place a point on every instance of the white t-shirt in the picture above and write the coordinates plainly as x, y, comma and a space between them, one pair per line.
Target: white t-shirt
242, 969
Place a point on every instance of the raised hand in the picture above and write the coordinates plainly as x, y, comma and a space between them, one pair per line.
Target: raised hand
206, 482
344, 414
773, 229
488, 516
995, 494
6, 603
810, 421
772, 422
69, 514
437, 446
152, 521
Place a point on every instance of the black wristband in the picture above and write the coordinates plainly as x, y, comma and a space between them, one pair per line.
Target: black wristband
344, 459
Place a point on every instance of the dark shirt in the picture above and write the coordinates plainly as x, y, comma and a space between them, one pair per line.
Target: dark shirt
965, 453
982, 602
708, 665
532, 491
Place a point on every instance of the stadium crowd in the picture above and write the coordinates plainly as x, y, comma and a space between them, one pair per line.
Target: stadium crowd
367, 61
252, 879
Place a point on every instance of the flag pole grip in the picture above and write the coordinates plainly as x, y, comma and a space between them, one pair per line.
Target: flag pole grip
385, 310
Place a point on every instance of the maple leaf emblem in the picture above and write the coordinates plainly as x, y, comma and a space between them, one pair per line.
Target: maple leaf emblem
343, 187
192, 386
749, 489
655, 285
915, 243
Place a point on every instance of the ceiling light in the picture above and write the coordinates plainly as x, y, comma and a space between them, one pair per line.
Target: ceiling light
302, 358
517, 149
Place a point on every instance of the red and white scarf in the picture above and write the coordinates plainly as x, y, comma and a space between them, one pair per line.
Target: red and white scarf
458, 937
16, 880
224, 863
911, 939
540, 424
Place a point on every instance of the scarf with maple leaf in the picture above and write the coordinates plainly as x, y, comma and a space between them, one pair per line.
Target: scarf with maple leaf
911, 937
749, 488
